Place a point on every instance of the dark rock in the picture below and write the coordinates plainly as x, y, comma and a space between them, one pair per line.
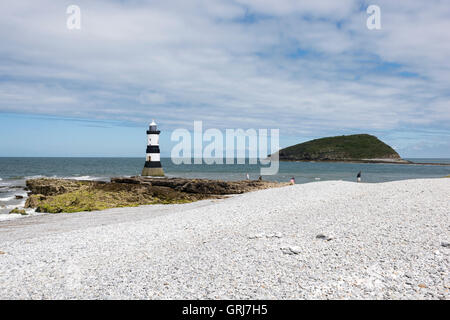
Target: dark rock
291, 250
133, 180
201, 186
323, 237
19, 196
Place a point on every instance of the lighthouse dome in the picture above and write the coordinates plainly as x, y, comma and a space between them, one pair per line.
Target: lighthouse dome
153, 128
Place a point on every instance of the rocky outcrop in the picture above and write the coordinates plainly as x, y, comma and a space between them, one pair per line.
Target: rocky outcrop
202, 186
52, 187
65, 195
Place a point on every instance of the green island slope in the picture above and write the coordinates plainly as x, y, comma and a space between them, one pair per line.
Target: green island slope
357, 147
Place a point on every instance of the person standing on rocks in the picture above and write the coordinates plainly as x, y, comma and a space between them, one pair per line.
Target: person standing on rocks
358, 177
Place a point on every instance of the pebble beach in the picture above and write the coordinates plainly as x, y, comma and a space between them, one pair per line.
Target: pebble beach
319, 240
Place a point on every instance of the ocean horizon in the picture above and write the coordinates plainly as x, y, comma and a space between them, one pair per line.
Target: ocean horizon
13, 168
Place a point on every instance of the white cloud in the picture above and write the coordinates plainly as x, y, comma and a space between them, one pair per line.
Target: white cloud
151, 98
303, 66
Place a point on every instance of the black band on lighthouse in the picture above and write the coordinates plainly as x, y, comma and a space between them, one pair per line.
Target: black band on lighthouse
152, 149
152, 164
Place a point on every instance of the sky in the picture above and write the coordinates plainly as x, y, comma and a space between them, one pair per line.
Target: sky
308, 68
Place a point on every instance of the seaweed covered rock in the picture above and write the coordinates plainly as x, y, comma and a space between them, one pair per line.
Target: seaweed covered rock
52, 187
18, 211
65, 195
61, 195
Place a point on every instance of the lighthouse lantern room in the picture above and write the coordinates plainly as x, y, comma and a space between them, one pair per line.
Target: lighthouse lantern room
152, 165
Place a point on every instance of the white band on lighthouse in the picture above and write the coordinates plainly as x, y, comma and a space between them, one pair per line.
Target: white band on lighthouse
153, 157
153, 140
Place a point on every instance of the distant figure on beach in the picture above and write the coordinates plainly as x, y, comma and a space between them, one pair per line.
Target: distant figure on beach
358, 177
292, 180
248, 176
260, 178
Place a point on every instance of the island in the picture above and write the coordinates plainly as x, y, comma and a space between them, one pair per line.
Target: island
347, 148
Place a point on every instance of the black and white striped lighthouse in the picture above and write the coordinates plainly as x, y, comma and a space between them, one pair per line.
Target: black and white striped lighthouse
152, 165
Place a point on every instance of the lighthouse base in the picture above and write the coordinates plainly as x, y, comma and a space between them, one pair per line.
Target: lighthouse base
154, 172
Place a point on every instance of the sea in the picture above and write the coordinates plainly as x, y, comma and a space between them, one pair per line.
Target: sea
15, 171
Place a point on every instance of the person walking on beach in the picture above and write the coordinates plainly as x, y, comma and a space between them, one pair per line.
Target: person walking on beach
292, 180
248, 176
358, 177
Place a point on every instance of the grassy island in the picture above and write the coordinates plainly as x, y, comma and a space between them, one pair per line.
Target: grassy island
357, 147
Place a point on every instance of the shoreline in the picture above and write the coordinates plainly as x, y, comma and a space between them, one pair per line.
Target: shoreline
323, 240
30, 210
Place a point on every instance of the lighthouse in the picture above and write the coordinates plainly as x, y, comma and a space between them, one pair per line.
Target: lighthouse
152, 165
